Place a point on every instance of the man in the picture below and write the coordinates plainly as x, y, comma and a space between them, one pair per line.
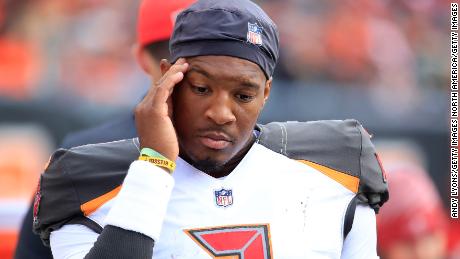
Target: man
227, 195
154, 27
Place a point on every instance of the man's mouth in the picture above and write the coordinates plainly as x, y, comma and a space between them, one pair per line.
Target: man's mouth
215, 140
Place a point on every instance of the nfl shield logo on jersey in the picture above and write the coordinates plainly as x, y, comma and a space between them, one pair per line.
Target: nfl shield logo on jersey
224, 197
254, 33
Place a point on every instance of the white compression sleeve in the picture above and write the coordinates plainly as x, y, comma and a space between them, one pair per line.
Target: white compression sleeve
143, 199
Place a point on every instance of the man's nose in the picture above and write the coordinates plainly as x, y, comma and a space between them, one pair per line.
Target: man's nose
220, 110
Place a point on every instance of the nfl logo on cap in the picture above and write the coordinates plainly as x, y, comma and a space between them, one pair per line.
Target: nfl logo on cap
254, 33
224, 197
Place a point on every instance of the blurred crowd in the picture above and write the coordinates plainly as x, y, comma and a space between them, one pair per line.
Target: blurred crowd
79, 53
391, 43
385, 45
69, 49
82, 48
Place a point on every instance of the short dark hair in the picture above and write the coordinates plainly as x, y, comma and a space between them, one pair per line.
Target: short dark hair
158, 49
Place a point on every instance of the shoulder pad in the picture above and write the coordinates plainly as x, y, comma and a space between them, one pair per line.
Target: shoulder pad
79, 180
341, 149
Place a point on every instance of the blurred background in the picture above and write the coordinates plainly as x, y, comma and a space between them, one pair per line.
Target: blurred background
68, 65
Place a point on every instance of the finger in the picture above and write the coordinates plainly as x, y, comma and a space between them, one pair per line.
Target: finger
166, 88
183, 69
181, 61
179, 66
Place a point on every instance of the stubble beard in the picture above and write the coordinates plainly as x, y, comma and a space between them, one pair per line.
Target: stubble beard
208, 165
213, 167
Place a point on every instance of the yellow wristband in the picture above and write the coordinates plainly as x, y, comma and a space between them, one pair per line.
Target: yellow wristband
162, 162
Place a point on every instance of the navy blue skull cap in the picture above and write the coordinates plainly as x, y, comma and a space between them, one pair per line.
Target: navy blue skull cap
237, 28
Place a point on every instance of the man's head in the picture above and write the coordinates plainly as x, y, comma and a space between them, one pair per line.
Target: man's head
232, 49
154, 27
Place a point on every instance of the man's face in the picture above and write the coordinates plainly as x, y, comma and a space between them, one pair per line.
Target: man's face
216, 107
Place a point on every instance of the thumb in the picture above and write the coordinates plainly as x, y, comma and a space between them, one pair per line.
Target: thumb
169, 102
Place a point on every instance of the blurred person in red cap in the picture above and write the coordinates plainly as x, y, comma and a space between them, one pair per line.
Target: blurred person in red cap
154, 27
413, 223
153, 44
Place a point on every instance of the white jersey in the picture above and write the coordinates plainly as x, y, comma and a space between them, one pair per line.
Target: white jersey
269, 206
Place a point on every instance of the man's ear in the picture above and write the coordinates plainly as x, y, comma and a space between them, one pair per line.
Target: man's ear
147, 62
268, 87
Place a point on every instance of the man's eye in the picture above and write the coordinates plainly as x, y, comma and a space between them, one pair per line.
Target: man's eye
200, 89
244, 97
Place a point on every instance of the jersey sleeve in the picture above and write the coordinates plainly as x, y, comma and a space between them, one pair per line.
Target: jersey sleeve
55, 201
342, 146
361, 242
132, 224
75, 180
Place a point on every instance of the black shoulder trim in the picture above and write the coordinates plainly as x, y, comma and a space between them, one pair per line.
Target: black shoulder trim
349, 216
91, 224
